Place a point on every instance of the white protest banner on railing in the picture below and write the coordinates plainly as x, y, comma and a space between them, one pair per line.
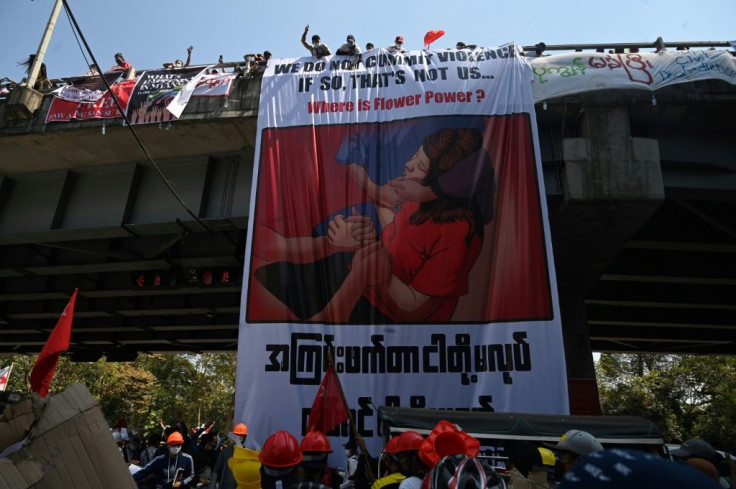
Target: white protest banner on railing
566, 74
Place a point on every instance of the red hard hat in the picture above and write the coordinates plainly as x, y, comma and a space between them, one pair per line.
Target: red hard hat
392, 446
174, 438
240, 429
410, 440
316, 441
280, 450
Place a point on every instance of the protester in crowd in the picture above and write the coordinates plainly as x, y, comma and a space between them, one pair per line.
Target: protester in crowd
410, 463
94, 70
704, 466
42, 79
350, 48
397, 46
280, 459
317, 49
123, 444
120, 64
262, 63
147, 455
462, 45
204, 457
221, 475
525, 469
178, 63
632, 469
572, 447
351, 467
390, 469
314, 473
172, 470
695, 448
549, 463
365, 473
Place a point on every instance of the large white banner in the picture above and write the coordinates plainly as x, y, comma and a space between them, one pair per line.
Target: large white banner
566, 74
398, 222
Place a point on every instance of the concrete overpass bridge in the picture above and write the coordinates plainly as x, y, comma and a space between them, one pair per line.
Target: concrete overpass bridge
642, 200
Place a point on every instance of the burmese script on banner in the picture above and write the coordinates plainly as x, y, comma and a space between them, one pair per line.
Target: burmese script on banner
566, 74
398, 223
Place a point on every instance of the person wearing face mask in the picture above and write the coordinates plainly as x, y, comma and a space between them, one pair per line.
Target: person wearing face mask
221, 476
350, 48
171, 470
352, 466
179, 63
398, 45
317, 49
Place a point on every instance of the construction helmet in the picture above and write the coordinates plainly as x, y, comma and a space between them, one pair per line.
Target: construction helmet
548, 456
240, 429
410, 440
315, 441
175, 438
280, 450
392, 446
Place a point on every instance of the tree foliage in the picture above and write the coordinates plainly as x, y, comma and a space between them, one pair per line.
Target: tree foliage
687, 396
195, 389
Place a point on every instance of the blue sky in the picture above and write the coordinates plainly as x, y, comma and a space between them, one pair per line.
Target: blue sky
152, 32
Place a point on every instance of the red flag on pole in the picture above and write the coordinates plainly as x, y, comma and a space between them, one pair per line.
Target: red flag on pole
328, 409
43, 370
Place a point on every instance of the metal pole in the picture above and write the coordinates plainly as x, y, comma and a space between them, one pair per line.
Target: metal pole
36, 66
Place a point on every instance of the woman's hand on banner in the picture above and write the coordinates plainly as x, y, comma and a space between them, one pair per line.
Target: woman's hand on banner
362, 227
340, 234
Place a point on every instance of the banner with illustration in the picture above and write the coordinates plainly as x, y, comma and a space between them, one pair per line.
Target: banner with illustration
566, 74
398, 222
157, 90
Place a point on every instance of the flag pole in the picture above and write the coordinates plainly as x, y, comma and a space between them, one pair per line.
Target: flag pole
353, 431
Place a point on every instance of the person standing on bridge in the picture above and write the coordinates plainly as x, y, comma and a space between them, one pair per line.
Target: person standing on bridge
317, 49
398, 46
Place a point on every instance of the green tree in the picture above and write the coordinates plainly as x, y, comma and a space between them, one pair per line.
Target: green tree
184, 387
687, 396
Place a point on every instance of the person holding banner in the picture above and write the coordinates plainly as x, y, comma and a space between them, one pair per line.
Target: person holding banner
120, 64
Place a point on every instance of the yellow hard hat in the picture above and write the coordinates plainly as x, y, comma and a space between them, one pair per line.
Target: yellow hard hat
548, 456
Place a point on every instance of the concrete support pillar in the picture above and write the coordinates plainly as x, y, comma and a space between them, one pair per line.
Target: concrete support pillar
607, 164
612, 185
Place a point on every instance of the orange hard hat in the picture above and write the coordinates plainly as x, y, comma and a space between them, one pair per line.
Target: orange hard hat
409, 440
240, 429
281, 450
316, 441
174, 438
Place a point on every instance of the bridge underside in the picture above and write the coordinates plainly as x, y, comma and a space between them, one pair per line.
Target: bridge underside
152, 278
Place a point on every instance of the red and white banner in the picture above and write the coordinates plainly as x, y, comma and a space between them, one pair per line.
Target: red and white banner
87, 88
62, 110
566, 74
215, 85
398, 223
